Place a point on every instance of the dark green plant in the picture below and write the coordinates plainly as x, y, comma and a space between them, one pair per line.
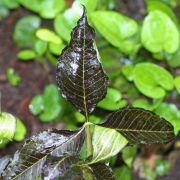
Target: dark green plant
55, 154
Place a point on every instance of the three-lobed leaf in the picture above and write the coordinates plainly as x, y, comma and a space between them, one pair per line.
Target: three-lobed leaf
80, 75
140, 126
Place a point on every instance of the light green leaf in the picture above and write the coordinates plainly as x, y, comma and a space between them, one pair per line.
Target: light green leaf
21, 131
13, 78
128, 155
24, 33
10, 4
159, 33
45, 8
127, 70
7, 126
27, 55
171, 113
48, 36
117, 29
158, 5
106, 143
122, 173
56, 48
37, 105
112, 101
173, 59
177, 83
152, 80
40, 47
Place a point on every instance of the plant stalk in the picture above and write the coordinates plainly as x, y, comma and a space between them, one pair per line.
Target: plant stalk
88, 139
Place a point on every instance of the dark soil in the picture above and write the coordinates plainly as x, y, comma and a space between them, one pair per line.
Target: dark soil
34, 78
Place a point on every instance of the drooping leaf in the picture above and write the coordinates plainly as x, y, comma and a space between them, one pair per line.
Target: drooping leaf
140, 126
152, 80
80, 75
106, 143
7, 126
32, 158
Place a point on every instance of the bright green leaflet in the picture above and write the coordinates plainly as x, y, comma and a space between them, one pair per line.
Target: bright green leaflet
20, 131
8, 126
106, 143
26, 55
45, 8
171, 113
177, 83
116, 29
152, 80
13, 78
159, 33
48, 36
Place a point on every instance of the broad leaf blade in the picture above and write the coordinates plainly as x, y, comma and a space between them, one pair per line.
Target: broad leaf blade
106, 143
29, 161
80, 75
140, 126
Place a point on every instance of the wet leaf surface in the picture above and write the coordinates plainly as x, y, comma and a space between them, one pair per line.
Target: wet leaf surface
33, 157
80, 75
140, 126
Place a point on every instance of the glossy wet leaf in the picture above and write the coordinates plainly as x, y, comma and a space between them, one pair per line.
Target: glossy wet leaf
30, 161
117, 29
106, 143
152, 80
171, 113
80, 75
24, 33
159, 33
26, 55
140, 126
177, 83
7, 126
